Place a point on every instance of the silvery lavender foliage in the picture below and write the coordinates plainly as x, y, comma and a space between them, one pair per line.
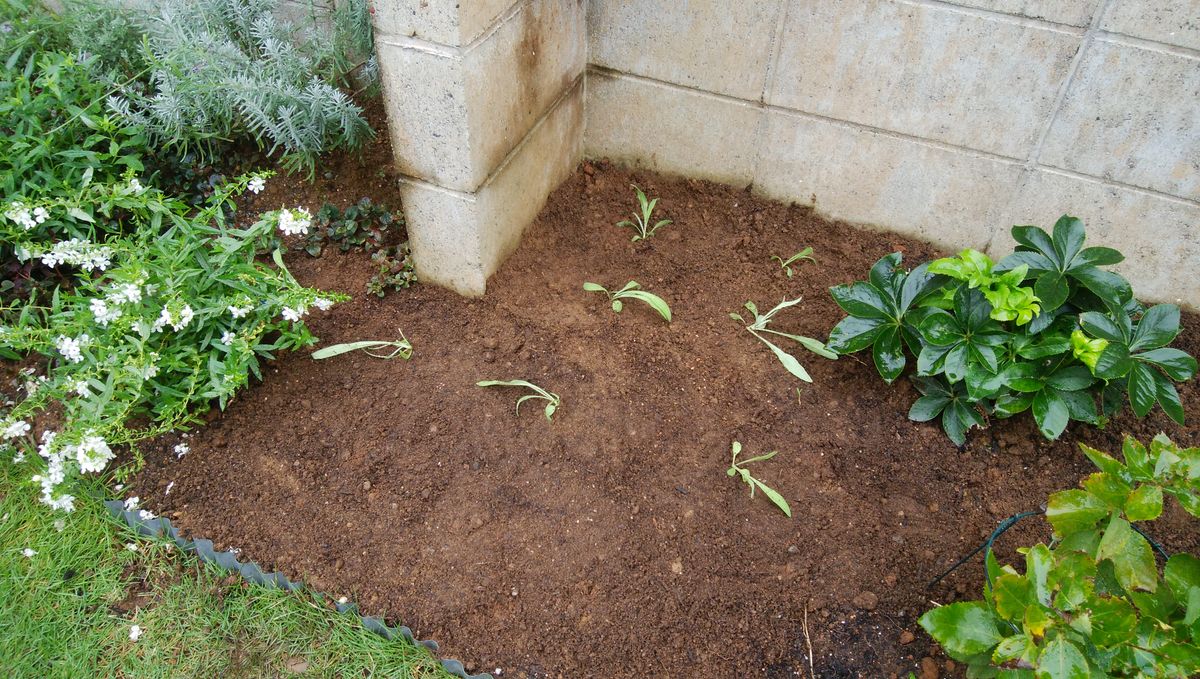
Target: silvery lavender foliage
218, 70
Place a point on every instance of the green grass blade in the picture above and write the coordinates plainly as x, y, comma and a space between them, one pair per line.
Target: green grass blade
775, 497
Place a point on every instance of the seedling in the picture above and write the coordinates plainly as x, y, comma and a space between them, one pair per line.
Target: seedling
760, 326
632, 291
641, 224
401, 347
806, 253
736, 469
552, 399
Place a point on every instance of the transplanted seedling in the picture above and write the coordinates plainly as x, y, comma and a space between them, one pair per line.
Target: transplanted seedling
552, 399
736, 468
806, 253
760, 326
401, 347
641, 224
632, 291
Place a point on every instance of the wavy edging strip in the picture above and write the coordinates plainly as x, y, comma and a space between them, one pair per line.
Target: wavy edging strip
252, 572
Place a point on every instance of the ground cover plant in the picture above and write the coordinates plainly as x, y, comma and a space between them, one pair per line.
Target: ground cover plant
552, 399
365, 227
761, 324
1044, 330
1092, 602
632, 290
643, 224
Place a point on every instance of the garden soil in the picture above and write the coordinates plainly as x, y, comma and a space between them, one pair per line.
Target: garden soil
610, 542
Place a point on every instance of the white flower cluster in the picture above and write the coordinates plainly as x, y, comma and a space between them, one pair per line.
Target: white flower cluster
108, 309
295, 314
135, 186
256, 185
72, 347
15, 429
323, 304
228, 337
92, 454
177, 321
76, 252
239, 311
26, 217
295, 222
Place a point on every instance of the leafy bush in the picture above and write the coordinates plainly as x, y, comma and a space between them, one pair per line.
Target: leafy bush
1045, 329
1092, 603
213, 71
156, 324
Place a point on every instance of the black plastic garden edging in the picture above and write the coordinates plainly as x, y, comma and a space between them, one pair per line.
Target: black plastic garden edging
250, 571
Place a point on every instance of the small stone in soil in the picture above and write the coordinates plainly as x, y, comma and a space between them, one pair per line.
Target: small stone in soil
866, 601
929, 668
906, 637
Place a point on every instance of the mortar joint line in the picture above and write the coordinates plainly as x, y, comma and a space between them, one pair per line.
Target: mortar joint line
775, 51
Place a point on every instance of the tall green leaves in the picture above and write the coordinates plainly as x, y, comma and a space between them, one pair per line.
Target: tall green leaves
986, 344
1092, 603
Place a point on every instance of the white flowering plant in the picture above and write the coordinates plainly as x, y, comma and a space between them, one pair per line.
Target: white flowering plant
153, 327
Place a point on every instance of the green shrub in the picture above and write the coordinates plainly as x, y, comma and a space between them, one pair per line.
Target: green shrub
214, 71
154, 325
1045, 329
1092, 603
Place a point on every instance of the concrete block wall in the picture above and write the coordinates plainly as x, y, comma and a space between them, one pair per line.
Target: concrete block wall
949, 120
485, 108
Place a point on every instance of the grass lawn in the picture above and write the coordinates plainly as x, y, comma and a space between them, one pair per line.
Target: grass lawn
67, 610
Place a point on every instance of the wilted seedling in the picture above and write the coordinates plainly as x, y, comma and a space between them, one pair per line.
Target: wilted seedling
553, 401
641, 224
401, 347
736, 469
632, 291
760, 326
806, 253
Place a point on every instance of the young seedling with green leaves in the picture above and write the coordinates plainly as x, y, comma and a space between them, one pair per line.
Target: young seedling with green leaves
551, 398
641, 223
738, 469
632, 290
786, 264
761, 321
401, 348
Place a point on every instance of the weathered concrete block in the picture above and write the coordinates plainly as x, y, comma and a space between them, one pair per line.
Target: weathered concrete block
1175, 22
449, 22
1071, 12
947, 196
1132, 115
670, 129
711, 45
1157, 235
923, 70
456, 113
459, 239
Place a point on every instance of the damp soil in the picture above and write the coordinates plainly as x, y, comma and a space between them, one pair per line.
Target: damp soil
610, 542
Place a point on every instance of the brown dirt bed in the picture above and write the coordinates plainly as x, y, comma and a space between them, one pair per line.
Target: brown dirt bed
610, 543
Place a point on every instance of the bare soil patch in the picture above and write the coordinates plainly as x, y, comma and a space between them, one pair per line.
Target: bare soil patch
610, 542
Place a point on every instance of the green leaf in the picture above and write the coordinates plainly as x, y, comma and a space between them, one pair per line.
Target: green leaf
1068, 239
1106, 463
1012, 594
617, 305
80, 214
1143, 389
1145, 503
1182, 574
593, 287
1071, 378
1099, 256
1130, 554
1062, 659
1178, 365
1098, 325
884, 271
654, 301
928, 407
854, 334
1074, 511
1038, 562
1051, 413
1052, 290
957, 419
773, 496
1159, 325
889, 354
963, 629
1110, 489
793, 366
1113, 621
861, 299
941, 329
1168, 398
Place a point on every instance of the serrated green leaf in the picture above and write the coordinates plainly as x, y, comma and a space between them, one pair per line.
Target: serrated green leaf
1145, 503
965, 629
1074, 511
1011, 594
1130, 554
1062, 659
